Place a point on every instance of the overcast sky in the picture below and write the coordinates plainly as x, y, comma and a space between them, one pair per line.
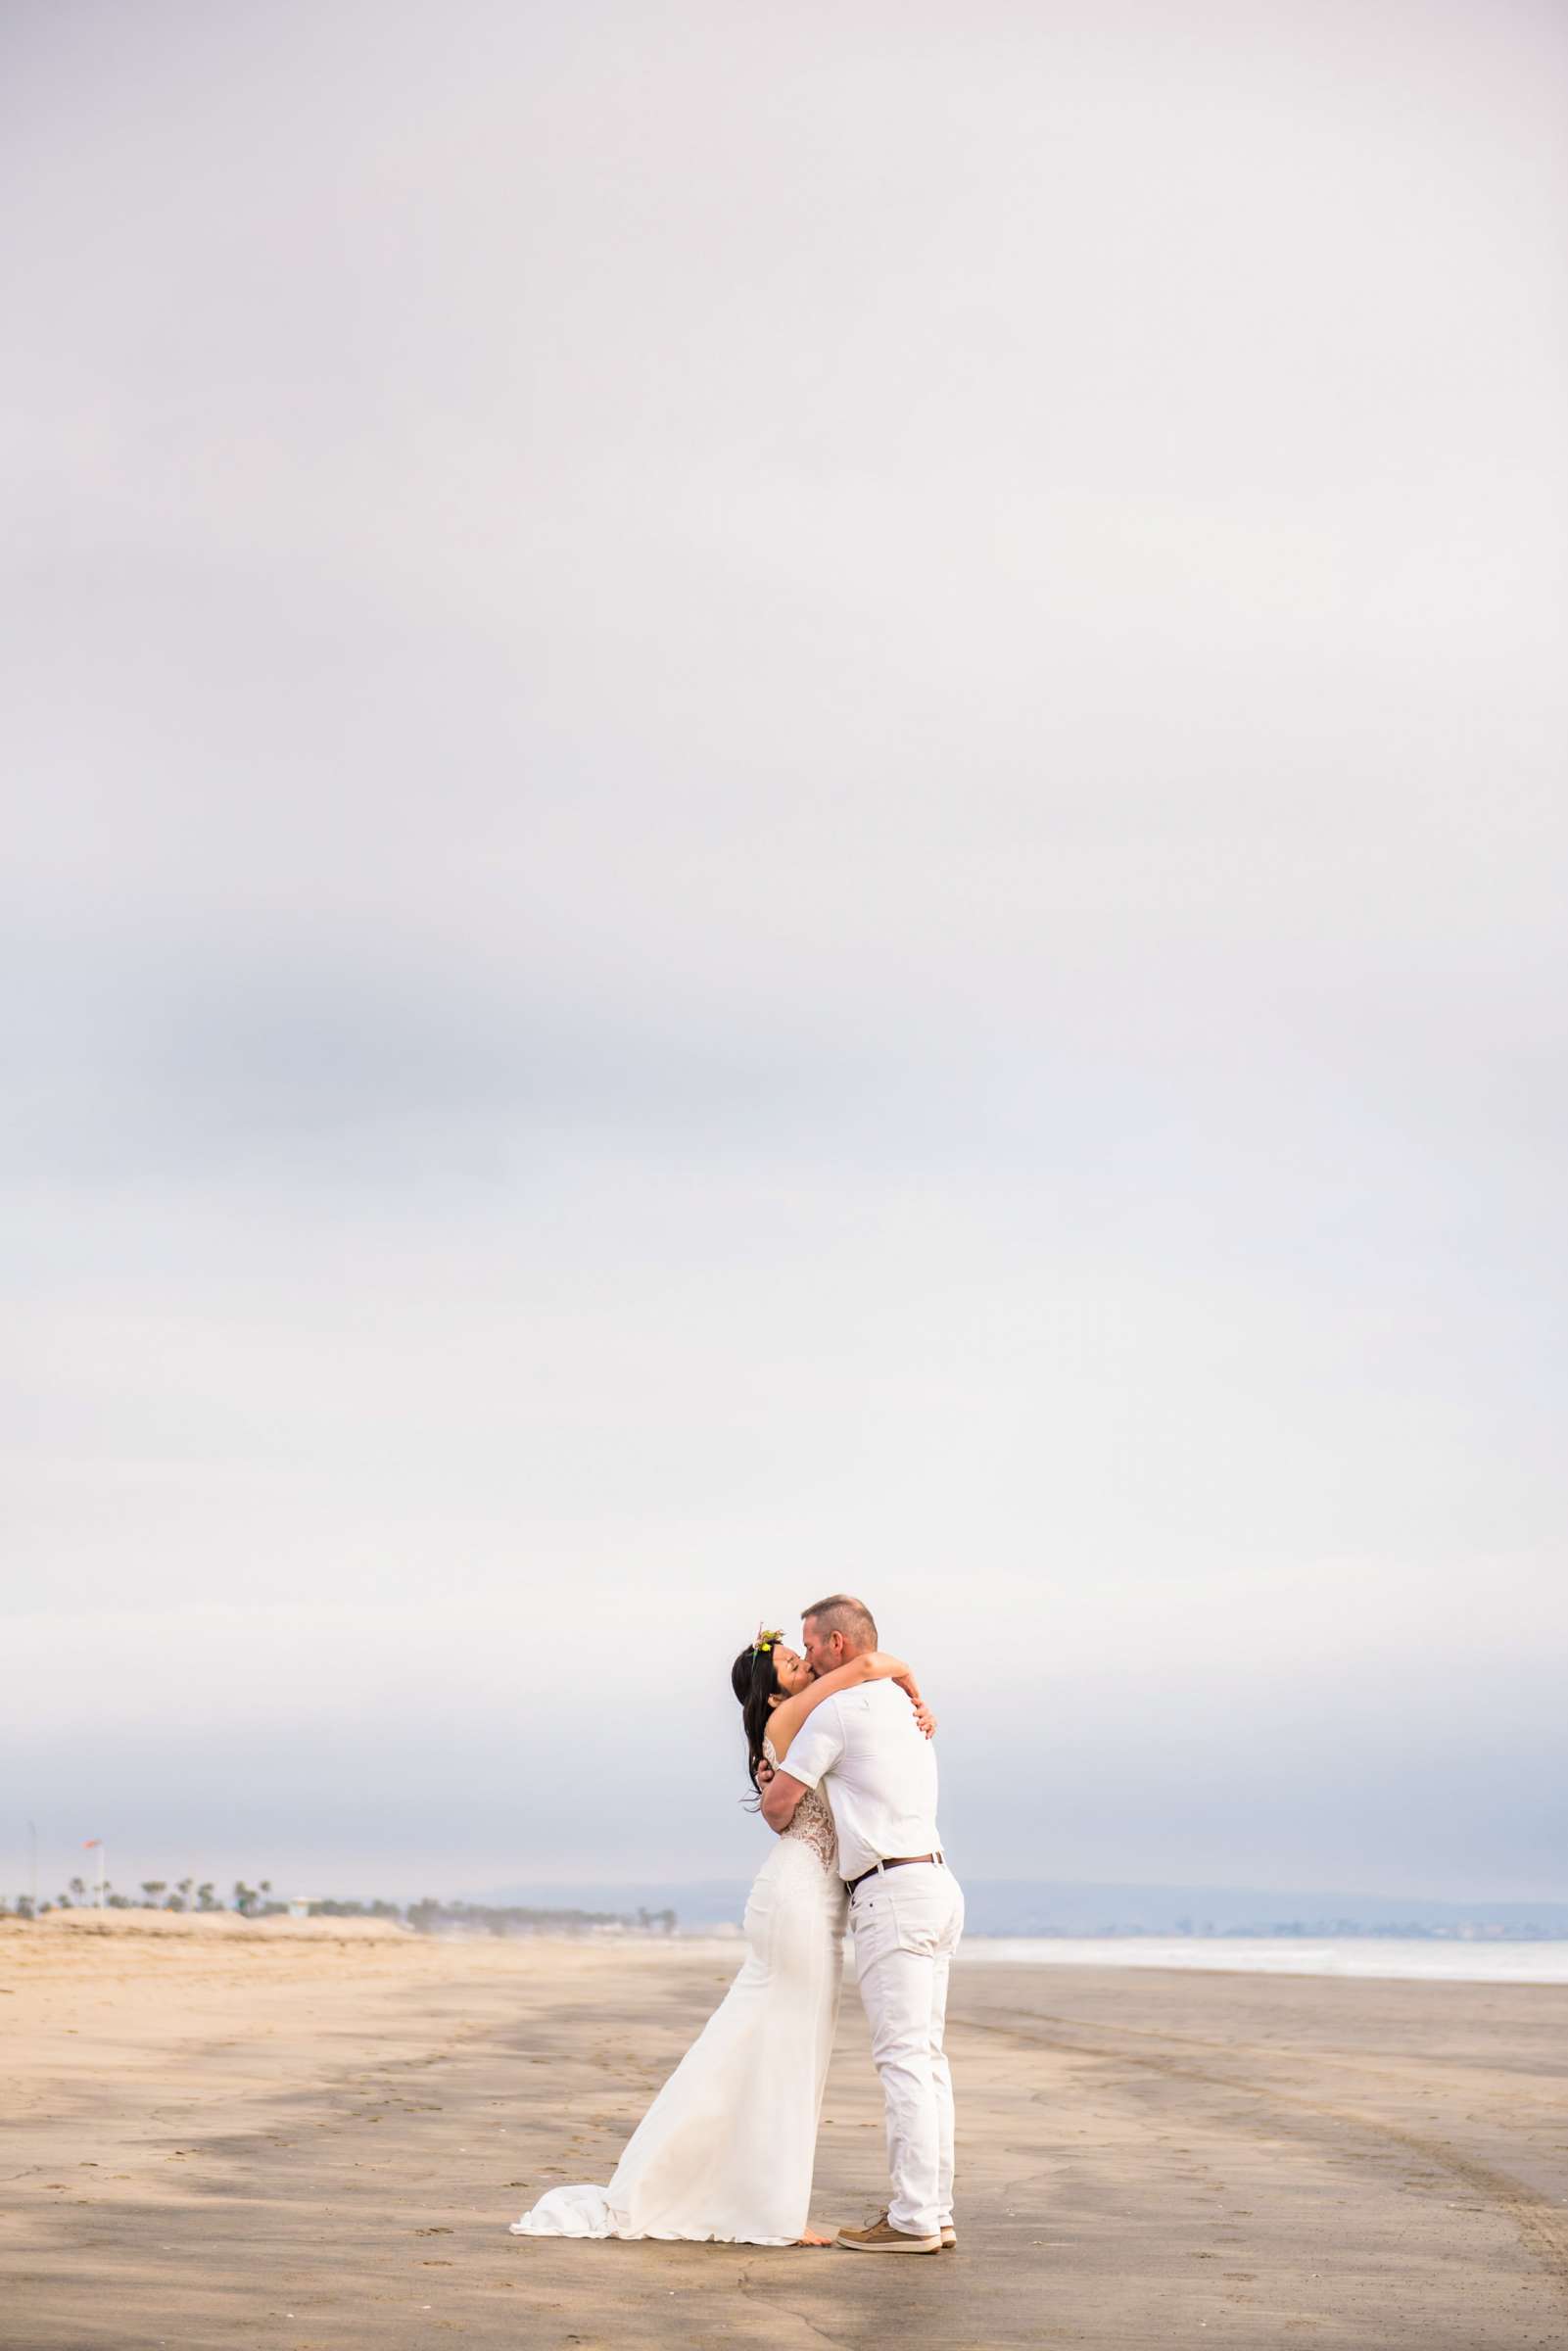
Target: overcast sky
787, 810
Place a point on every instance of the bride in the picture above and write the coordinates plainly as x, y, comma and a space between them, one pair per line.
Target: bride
725, 2150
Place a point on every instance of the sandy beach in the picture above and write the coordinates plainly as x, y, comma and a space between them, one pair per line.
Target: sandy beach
316, 2140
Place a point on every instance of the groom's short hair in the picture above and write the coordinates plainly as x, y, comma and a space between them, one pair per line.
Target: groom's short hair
842, 1614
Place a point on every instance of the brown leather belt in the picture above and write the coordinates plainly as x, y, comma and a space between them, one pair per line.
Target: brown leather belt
903, 1861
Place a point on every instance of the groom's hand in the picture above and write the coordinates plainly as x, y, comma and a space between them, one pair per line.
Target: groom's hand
780, 1798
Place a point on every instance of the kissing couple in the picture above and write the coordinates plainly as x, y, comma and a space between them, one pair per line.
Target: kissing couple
838, 1744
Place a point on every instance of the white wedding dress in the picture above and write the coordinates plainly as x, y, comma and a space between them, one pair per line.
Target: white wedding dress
726, 2149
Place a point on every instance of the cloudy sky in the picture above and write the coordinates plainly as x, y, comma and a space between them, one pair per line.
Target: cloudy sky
786, 809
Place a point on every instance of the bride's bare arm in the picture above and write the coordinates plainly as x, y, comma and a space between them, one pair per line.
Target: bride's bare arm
875, 1666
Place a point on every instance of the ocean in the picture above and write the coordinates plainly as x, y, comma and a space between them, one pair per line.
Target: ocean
1395, 1956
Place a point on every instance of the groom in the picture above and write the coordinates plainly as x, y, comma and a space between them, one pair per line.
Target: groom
906, 1914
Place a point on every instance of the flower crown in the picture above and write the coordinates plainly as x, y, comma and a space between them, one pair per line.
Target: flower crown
762, 1647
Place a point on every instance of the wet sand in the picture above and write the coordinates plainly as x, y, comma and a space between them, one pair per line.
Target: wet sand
317, 2143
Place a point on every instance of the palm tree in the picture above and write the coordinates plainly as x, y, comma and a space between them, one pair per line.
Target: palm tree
153, 1888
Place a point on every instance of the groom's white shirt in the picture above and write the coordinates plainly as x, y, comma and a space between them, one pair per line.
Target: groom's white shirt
879, 1772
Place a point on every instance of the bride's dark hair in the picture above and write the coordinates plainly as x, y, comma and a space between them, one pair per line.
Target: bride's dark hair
753, 1680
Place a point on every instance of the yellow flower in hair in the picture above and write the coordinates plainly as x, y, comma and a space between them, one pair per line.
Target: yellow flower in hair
762, 1647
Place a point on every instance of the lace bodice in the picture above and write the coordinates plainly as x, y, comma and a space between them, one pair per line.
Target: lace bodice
813, 1822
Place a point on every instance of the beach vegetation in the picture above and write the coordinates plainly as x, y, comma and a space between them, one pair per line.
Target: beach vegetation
429, 1916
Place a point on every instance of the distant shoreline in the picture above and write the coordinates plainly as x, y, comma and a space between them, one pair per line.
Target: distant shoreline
1413, 1958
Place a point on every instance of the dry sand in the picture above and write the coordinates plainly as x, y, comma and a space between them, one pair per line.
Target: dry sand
315, 2141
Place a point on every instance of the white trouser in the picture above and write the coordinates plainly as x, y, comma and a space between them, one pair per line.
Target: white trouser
906, 1924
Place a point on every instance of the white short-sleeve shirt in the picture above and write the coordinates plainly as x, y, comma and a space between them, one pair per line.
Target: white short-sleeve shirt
877, 1771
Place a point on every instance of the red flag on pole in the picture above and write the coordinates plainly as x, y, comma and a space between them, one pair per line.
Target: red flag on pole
90, 1841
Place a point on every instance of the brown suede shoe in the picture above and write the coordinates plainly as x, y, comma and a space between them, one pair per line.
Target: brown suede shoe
883, 2237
